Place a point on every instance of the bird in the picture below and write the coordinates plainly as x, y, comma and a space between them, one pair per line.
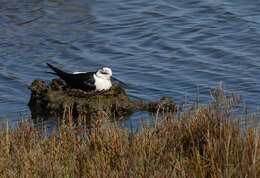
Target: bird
86, 81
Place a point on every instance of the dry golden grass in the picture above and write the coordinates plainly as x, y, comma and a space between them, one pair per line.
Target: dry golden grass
203, 142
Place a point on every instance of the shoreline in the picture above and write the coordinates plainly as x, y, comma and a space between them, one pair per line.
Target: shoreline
206, 141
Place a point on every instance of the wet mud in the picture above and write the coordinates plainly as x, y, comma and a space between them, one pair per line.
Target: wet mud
52, 101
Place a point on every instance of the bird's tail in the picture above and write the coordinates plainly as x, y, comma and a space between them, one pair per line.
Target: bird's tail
58, 72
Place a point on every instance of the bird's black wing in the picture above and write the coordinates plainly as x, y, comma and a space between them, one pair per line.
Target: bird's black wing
87, 80
84, 81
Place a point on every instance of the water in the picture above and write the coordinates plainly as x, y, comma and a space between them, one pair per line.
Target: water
159, 48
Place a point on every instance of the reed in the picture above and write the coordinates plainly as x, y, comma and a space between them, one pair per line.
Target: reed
204, 141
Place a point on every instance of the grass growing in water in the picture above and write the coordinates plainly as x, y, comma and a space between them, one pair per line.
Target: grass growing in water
203, 142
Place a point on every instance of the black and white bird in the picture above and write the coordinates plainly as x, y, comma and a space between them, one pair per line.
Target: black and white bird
86, 81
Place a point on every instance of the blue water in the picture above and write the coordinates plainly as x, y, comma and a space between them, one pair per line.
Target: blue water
158, 48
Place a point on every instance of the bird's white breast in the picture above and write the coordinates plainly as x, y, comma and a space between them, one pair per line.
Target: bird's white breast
102, 84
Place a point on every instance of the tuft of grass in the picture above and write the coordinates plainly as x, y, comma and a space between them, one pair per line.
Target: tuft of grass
206, 141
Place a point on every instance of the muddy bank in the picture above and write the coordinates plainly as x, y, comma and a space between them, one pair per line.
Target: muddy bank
51, 101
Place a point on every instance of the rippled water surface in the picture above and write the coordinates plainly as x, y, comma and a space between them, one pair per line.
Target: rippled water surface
159, 48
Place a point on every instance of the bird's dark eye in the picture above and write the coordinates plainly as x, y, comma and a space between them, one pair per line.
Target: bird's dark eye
102, 72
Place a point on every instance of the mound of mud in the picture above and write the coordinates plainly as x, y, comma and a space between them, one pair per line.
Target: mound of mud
51, 101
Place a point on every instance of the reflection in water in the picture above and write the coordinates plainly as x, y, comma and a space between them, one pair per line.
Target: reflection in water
158, 48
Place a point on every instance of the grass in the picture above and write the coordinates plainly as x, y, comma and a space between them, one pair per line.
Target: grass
206, 141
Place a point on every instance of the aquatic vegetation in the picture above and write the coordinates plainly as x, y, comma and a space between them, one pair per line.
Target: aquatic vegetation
205, 141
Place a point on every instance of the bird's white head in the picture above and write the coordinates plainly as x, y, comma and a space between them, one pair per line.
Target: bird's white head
104, 73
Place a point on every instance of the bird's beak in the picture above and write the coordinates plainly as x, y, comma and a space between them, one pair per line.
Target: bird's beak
124, 84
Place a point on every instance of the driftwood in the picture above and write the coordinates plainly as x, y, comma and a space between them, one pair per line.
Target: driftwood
51, 101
